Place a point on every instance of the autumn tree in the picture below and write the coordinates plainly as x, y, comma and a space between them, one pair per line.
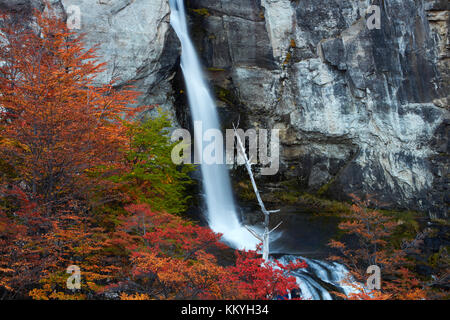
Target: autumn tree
75, 240
370, 243
58, 123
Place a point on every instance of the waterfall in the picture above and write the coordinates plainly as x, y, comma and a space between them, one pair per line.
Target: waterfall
221, 210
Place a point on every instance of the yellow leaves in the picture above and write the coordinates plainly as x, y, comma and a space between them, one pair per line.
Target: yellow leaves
38, 294
293, 44
64, 296
168, 180
137, 296
11, 143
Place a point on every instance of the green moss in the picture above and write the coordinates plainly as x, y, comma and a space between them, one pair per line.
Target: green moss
441, 222
202, 11
216, 69
325, 206
291, 184
324, 189
407, 224
440, 258
226, 96
245, 191
293, 194
287, 197
317, 206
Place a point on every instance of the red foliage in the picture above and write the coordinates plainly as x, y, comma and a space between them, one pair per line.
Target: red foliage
262, 280
171, 261
22, 248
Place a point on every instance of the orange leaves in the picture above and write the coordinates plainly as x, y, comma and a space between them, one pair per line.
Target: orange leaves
337, 244
58, 124
371, 232
124, 296
176, 278
363, 294
76, 241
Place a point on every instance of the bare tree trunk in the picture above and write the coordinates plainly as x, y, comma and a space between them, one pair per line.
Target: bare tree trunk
265, 237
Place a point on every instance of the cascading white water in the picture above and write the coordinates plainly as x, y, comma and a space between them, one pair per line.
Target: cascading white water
222, 215
331, 273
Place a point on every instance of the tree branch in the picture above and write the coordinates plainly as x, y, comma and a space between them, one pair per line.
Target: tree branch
276, 227
257, 236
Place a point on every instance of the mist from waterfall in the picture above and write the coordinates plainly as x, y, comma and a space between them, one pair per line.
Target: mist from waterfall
221, 210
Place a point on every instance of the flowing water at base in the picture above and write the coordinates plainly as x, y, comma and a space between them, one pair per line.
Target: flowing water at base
320, 278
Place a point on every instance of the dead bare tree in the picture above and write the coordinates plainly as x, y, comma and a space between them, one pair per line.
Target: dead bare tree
265, 237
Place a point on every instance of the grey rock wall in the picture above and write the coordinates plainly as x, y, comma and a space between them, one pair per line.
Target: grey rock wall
136, 41
134, 37
363, 111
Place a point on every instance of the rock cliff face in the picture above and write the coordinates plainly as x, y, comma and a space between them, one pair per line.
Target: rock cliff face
134, 38
361, 111
137, 43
